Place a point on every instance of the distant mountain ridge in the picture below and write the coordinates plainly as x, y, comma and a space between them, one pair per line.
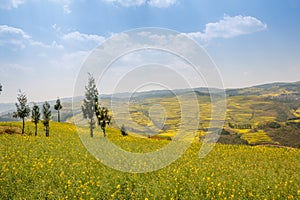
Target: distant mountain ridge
273, 89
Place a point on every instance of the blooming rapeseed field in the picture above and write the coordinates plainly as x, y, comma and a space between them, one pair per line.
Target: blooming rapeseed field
59, 167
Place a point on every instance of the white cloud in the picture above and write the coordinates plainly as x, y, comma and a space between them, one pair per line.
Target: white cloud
13, 36
16, 38
4, 29
127, 3
9, 4
65, 5
161, 3
67, 9
76, 41
53, 45
55, 27
77, 36
230, 27
153, 3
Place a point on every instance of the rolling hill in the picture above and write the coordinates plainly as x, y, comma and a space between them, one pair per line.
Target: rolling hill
60, 167
259, 115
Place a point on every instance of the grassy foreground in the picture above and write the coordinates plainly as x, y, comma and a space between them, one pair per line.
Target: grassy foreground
59, 167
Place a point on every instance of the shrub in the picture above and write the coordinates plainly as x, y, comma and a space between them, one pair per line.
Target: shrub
123, 131
10, 130
273, 125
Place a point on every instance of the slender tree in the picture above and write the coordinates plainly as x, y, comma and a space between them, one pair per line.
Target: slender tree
23, 109
58, 107
0, 88
35, 115
88, 105
46, 117
103, 117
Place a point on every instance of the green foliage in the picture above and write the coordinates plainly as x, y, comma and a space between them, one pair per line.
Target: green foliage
46, 117
89, 105
240, 126
103, 116
60, 168
23, 109
35, 115
266, 125
274, 125
232, 139
58, 107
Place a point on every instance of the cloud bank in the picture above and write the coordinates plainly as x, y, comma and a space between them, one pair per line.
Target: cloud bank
17, 38
230, 27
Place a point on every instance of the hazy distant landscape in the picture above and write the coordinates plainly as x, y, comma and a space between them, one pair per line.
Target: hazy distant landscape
260, 115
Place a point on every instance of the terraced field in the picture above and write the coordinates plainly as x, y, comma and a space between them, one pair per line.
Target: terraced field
245, 115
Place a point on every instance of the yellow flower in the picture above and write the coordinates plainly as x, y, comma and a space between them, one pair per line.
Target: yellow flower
69, 183
98, 184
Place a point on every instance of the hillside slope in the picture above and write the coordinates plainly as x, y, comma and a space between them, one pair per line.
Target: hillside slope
60, 167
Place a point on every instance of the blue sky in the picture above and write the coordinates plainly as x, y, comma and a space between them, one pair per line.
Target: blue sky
43, 43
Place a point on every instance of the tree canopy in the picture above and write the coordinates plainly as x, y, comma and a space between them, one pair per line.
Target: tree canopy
46, 117
35, 115
88, 105
23, 109
103, 117
58, 107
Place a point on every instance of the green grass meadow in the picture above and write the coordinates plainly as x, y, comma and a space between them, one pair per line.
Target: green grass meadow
60, 167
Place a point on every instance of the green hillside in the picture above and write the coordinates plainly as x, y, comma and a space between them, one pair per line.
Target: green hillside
59, 167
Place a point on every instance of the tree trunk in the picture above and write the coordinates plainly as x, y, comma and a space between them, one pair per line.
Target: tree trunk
58, 116
104, 133
35, 130
91, 128
23, 127
47, 131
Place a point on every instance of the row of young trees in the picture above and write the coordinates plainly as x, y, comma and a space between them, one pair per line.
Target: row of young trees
90, 108
23, 111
